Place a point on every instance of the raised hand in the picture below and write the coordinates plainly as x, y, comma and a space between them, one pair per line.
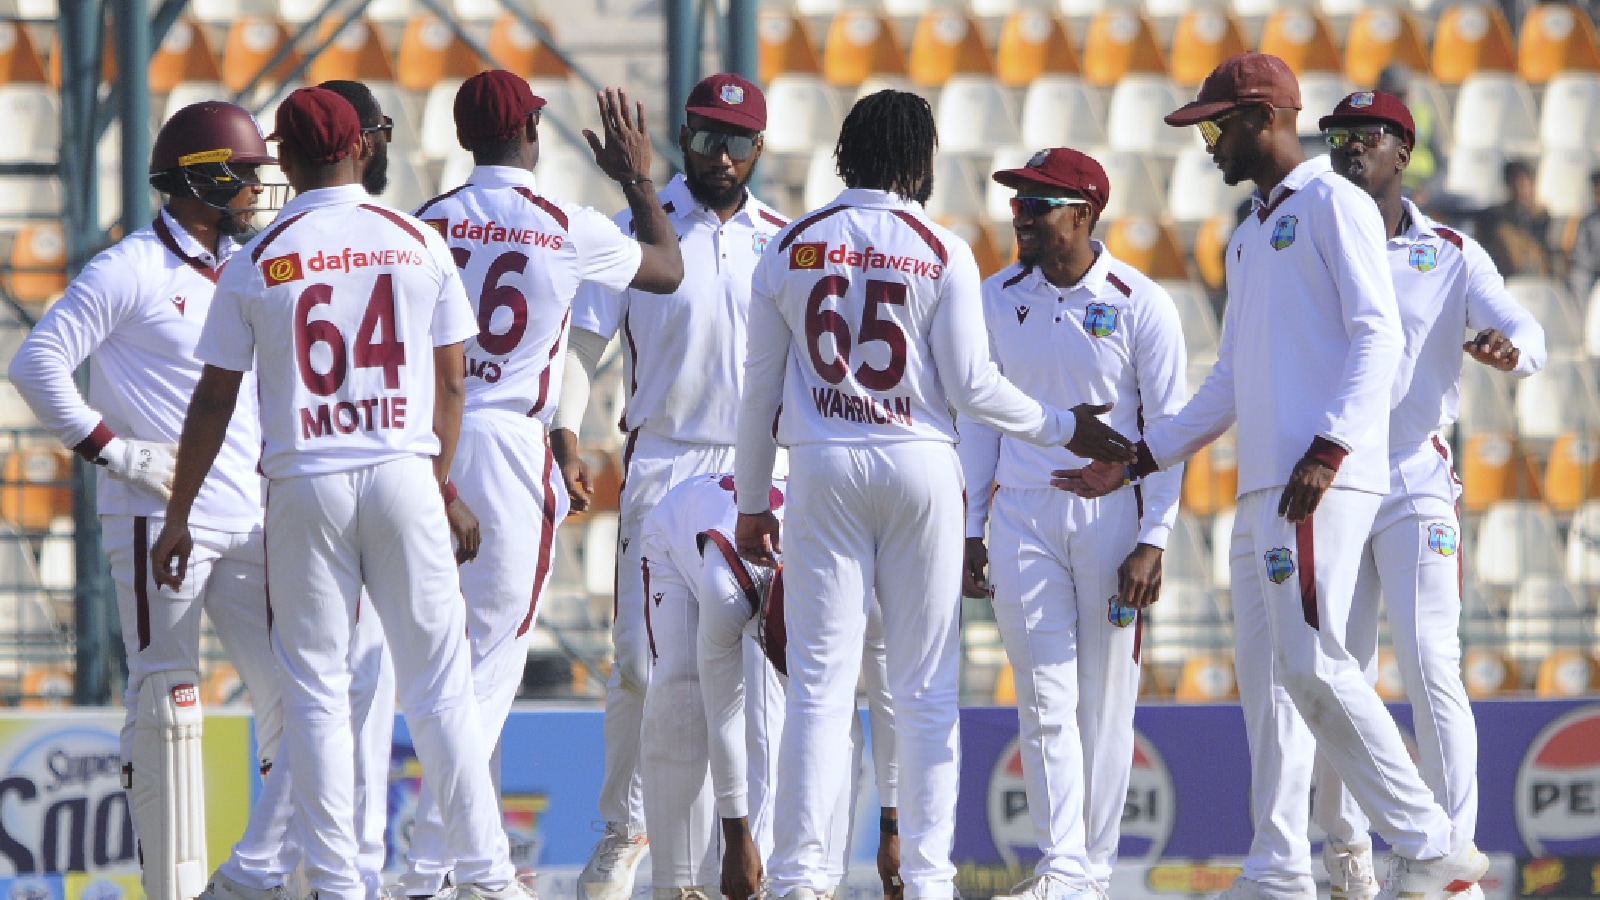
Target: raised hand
625, 155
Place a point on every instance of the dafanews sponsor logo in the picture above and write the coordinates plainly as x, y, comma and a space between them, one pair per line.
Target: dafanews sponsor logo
347, 260
871, 259
493, 232
1558, 787
282, 269
808, 256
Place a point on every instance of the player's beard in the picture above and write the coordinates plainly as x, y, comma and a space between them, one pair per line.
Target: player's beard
376, 178
717, 197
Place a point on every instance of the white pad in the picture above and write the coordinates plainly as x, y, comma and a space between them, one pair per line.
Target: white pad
166, 788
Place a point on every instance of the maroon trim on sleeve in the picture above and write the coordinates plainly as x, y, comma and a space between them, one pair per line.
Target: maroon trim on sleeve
1451, 236
398, 220
1016, 278
550, 209
165, 234
255, 255
1119, 284
775, 220
1144, 462
1305, 548
1327, 452
89, 448
807, 222
444, 196
923, 232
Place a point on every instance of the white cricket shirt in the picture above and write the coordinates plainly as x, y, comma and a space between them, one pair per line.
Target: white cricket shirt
1114, 337
690, 509
1311, 340
339, 307
136, 311
1447, 286
522, 257
866, 327
684, 351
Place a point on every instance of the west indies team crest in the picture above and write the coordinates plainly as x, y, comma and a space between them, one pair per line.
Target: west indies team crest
1283, 231
1280, 565
760, 243
1100, 320
1442, 539
1423, 257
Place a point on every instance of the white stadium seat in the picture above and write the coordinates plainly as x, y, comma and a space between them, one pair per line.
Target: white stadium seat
1548, 301
397, 105
1495, 110
1136, 188
1222, 546
1583, 546
1559, 398
1562, 182
1199, 323
30, 118
1570, 117
1486, 404
955, 189
24, 198
1476, 174
974, 113
190, 92
822, 179
457, 166
1545, 614
1062, 111
1525, 541
1197, 191
997, 197
439, 119
811, 115
407, 190
1134, 116
1320, 92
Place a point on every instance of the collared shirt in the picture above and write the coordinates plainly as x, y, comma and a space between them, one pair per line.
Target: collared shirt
1114, 337
1446, 286
522, 257
866, 324
339, 307
684, 351
1310, 338
136, 311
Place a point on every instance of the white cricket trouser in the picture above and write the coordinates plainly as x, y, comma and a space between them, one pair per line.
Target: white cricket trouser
1293, 585
863, 518
651, 465
505, 472
161, 632
382, 526
1054, 560
1412, 564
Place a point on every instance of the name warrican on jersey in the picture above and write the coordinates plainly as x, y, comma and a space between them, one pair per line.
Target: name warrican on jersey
339, 306
522, 258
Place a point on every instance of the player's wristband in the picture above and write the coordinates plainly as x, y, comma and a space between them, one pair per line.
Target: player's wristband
89, 448
1327, 453
887, 825
449, 492
633, 181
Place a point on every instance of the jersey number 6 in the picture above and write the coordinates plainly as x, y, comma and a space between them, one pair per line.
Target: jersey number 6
821, 321
377, 347
494, 296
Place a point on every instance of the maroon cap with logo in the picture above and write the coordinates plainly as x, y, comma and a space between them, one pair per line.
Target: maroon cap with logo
729, 99
1065, 168
318, 124
492, 107
1372, 106
1241, 80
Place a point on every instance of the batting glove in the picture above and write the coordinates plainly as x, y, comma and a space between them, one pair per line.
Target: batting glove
144, 464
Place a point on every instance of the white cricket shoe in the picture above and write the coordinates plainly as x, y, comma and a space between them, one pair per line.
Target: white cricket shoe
221, 887
1048, 887
1434, 879
1249, 889
609, 874
1350, 872
520, 888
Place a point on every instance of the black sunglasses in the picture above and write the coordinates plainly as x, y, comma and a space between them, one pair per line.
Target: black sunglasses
712, 143
387, 128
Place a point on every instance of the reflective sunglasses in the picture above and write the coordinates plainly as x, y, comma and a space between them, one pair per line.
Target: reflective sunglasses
1211, 129
386, 129
712, 143
1035, 207
1368, 135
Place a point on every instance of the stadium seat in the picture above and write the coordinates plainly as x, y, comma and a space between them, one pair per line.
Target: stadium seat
986, 251
1487, 673
46, 686
955, 189
1205, 36
1568, 672
1527, 545
822, 179
1121, 43
516, 48
1210, 243
785, 47
1197, 191
1469, 38
397, 105
975, 113
1320, 92
1211, 478
1379, 36
1583, 546
1390, 685
1222, 547
393, 10
14, 411
1496, 110
997, 197
1545, 614
1570, 116
1207, 678
1494, 468
37, 489
1572, 473
1186, 560
1548, 301
1186, 621
1199, 323
1005, 686
944, 44
357, 54
38, 263
189, 92
1560, 397
1081, 9
1555, 38
407, 190
477, 10
19, 59
1475, 174
44, 10
252, 42
58, 556
1562, 182
222, 686
1147, 245
1062, 111
30, 118
439, 120
224, 12
1133, 118
861, 44
1300, 38
1033, 45
600, 553
185, 54
1136, 188
429, 52
458, 164
811, 115
23, 198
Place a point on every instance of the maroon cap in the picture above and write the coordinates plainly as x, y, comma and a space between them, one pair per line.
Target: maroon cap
1372, 106
320, 125
492, 107
1240, 80
729, 99
1062, 167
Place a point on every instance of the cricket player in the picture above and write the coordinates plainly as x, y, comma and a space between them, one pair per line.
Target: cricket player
1446, 285
522, 258
684, 357
352, 315
136, 312
1311, 345
1071, 576
866, 325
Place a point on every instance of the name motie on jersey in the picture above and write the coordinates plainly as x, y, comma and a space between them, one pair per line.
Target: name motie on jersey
348, 417
834, 404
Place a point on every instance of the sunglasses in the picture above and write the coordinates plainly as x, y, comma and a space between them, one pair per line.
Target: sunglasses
1211, 129
712, 143
1036, 207
1368, 135
387, 129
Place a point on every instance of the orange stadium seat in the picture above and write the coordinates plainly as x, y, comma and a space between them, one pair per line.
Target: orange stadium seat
1380, 35
1206, 678
1210, 243
785, 46
1005, 686
1556, 37
38, 263
947, 43
514, 47
1488, 673
357, 54
860, 45
185, 54
1567, 673
430, 51
1494, 467
1205, 37
252, 42
1573, 472
1471, 37
1300, 38
1390, 685
47, 687
1211, 478
1033, 44
19, 61
36, 487
1120, 42
1148, 246
222, 687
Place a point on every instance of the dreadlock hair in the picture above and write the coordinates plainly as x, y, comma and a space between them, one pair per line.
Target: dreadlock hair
887, 143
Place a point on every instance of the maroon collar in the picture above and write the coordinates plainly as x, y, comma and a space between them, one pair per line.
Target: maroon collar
165, 234
1267, 209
